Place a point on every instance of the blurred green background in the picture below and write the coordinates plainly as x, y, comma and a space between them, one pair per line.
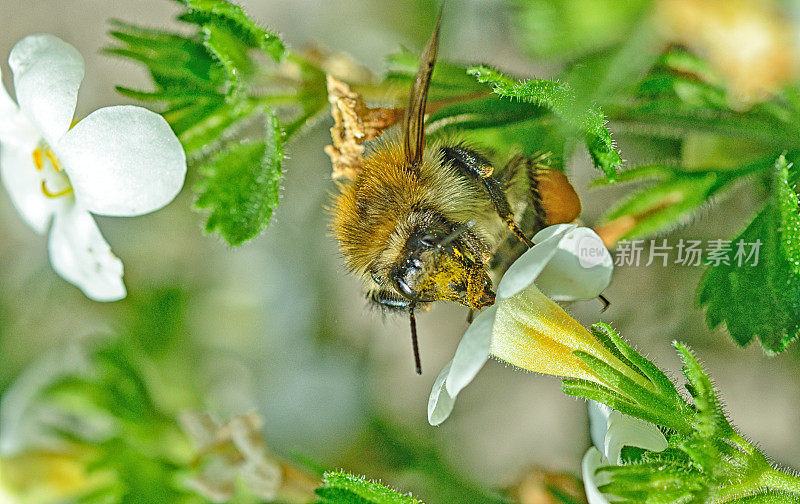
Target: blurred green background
278, 325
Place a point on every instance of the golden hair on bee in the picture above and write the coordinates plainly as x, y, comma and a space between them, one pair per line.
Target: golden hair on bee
374, 215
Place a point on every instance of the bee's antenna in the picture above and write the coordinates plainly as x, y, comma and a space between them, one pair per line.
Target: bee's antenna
413, 320
414, 119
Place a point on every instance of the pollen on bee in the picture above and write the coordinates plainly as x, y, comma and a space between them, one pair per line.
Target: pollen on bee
560, 202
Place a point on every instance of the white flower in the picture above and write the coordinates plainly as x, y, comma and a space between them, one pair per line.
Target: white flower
611, 431
524, 327
118, 161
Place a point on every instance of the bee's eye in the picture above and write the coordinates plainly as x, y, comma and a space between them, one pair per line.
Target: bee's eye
428, 240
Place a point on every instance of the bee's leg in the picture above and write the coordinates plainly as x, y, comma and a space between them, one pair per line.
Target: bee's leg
479, 169
533, 217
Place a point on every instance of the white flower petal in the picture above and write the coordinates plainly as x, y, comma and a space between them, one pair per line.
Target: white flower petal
123, 161
592, 461
598, 423
15, 128
47, 74
580, 268
440, 404
529, 265
624, 430
472, 352
551, 231
81, 256
24, 185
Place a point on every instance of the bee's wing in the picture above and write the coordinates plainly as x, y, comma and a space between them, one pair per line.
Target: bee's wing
414, 120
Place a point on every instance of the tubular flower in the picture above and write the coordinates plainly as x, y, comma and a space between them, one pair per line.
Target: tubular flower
525, 327
118, 161
611, 431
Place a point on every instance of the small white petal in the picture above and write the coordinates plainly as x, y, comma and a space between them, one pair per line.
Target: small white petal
24, 185
472, 352
47, 74
440, 404
598, 423
592, 461
529, 265
123, 161
82, 257
624, 430
580, 268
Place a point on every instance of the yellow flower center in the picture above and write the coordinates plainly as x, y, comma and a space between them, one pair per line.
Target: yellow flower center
55, 182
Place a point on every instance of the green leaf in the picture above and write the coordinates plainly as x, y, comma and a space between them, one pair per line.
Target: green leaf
682, 95
207, 128
670, 201
222, 12
710, 422
228, 35
344, 488
181, 68
761, 300
212, 89
560, 99
241, 186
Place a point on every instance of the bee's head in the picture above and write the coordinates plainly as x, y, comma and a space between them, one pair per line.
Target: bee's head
438, 263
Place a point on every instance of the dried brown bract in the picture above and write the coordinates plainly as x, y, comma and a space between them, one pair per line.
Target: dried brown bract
354, 124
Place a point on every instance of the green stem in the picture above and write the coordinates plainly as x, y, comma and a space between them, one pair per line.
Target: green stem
770, 478
774, 478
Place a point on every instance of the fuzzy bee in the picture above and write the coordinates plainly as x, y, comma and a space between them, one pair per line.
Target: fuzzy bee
423, 223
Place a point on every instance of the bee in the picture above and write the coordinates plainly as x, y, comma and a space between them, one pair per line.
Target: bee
425, 223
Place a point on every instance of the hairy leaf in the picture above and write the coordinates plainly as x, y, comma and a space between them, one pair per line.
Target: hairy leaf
212, 88
344, 488
560, 99
223, 13
761, 299
673, 195
241, 186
